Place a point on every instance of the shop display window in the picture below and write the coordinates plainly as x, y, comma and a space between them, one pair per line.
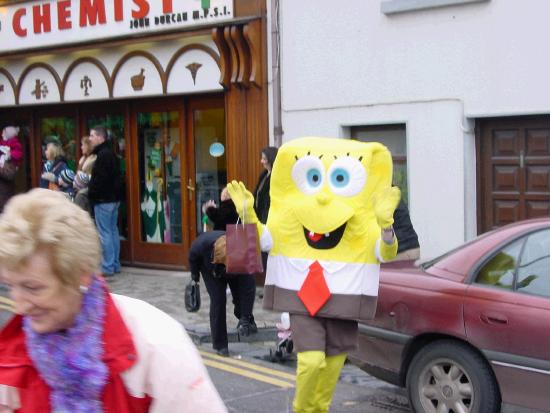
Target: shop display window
210, 160
160, 176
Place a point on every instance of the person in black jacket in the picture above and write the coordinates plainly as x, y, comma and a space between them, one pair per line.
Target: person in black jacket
408, 247
262, 200
207, 257
221, 215
104, 192
261, 192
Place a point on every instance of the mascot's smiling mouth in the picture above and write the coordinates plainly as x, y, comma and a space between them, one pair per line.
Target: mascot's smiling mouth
324, 241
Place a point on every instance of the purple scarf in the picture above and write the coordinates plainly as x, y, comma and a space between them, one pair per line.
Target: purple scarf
71, 361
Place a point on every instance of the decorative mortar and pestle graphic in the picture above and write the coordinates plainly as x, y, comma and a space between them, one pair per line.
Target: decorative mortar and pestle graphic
138, 80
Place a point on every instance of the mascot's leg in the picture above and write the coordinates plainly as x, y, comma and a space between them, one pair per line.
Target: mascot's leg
326, 384
322, 345
310, 363
316, 378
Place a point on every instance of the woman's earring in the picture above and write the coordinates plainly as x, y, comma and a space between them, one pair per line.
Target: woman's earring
83, 289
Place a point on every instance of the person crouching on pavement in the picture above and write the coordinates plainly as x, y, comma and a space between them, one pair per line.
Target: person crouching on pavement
207, 257
73, 346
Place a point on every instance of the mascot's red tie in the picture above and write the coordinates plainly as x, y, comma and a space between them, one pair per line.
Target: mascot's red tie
314, 292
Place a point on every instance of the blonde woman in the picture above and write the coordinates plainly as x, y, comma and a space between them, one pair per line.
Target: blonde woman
83, 175
54, 164
86, 161
74, 347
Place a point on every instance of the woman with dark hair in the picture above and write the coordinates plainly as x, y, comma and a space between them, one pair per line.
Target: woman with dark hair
261, 193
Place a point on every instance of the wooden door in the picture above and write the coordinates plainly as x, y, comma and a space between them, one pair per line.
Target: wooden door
207, 173
159, 230
514, 172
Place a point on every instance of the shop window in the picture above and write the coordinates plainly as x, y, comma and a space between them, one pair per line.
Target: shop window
394, 138
115, 131
210, 159
65, 130
401, 6
160, 176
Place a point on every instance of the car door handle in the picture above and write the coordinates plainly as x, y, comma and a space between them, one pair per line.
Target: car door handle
493, 318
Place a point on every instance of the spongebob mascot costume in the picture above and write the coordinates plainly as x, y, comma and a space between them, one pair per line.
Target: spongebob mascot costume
328, 229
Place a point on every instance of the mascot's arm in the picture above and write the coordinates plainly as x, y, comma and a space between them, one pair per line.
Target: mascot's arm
244, 202
385, 204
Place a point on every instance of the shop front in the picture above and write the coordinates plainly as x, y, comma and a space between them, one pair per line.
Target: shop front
180, 86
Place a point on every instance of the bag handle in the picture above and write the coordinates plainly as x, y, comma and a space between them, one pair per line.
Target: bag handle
244, 216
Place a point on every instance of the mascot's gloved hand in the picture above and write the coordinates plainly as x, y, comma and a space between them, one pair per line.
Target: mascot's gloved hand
385, 203
244, 202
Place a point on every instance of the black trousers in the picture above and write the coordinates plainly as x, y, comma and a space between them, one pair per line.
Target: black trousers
243, 290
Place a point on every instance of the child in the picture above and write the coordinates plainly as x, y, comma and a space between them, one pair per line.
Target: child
65, 182
80, 185
10, 147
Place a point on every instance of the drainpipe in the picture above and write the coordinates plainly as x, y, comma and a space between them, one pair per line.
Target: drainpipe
275, 69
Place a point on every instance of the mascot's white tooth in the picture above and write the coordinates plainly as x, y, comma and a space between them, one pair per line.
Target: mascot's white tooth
327, 234
311, 233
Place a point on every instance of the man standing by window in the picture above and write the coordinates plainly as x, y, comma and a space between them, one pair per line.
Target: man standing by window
104, 194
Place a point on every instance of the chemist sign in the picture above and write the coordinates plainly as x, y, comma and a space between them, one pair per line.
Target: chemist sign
34, 24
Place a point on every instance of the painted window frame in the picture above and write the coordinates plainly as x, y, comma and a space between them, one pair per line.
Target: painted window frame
389, 7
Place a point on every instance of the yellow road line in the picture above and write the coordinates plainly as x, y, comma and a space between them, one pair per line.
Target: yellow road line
249, 374
5, 300
249, 366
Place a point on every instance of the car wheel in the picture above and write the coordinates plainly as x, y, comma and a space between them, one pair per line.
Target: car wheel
448, 377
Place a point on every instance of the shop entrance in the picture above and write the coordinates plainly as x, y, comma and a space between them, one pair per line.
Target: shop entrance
177, 163
172, 157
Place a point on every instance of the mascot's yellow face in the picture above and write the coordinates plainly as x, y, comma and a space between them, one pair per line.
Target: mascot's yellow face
321, 198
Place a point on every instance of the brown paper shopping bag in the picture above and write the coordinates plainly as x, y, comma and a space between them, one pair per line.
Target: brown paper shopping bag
243, 249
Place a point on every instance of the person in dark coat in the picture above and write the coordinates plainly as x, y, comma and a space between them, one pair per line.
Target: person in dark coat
261, 192
104, 193
207, 257
262, 200
224, 214
408, 247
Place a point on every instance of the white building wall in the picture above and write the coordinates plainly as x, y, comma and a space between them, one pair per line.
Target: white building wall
436, 70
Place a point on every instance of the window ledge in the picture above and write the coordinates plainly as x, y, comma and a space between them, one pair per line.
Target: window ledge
401, 6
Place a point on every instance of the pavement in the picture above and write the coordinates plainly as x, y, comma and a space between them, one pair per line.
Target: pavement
165, 290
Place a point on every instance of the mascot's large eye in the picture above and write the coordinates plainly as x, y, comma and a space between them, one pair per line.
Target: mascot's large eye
347, 176
308, 174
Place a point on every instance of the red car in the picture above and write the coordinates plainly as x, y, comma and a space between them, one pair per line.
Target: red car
468, 332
